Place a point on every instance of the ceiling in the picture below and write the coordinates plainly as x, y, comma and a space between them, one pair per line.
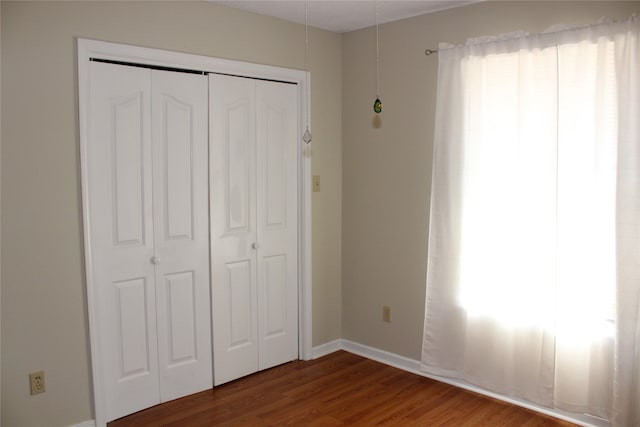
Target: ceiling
341, 16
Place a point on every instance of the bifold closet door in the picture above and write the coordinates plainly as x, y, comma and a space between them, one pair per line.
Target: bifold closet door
181, 232
148, 230
254, 220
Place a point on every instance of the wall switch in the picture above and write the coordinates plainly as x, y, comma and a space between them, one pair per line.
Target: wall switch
36, 379
386, 313
316, 183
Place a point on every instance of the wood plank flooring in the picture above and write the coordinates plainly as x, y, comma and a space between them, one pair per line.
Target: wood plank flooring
341, 389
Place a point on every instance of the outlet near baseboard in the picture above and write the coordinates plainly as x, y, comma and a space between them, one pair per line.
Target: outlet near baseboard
36, 381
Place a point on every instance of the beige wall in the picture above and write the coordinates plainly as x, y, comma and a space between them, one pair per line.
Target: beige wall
44, 318
375, 175
0, 211
387, 170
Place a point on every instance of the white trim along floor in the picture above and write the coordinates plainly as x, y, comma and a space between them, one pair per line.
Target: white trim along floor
413, 366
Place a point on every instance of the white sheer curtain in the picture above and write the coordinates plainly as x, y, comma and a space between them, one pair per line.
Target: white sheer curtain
533, 277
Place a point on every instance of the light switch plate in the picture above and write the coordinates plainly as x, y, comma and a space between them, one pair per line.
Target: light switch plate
386, 314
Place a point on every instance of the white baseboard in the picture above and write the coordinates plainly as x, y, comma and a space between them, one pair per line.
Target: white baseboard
326, 348
413, 366
382, 356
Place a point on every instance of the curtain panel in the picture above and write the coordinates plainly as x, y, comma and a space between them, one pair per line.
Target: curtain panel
533, 272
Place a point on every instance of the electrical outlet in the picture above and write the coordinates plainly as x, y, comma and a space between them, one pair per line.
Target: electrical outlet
386, 314
316, 183
36, 379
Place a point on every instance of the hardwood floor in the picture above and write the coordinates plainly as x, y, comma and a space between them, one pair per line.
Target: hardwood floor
340, 389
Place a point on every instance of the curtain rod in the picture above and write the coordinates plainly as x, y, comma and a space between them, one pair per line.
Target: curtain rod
552, 30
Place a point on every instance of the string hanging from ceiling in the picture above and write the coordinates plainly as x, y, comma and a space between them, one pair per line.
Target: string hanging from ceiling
307, 134
377, 104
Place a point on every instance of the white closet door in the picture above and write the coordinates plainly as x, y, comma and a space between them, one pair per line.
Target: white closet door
253, 160
277, 211
181, 232
148, 227
121, 235
233, 227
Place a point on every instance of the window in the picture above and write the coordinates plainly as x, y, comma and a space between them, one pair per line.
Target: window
533, 285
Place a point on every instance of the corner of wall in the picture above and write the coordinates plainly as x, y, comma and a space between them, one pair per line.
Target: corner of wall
0, 212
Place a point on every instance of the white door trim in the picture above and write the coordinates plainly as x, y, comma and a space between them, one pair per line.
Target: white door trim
88, 49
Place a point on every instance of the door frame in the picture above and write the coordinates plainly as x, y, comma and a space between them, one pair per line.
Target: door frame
93, 49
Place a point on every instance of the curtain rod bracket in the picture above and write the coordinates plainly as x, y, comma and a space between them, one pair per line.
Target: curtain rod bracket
430, 52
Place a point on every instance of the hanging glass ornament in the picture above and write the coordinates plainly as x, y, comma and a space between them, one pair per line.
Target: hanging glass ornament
377, 106
307, 136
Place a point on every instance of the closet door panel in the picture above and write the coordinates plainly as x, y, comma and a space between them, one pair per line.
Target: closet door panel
127, 148
181, 313
275, 296
120, 226
239, 292
131, 297
181, 232
277, 191
233, 234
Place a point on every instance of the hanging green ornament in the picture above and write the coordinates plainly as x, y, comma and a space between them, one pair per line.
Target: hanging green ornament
377, 106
